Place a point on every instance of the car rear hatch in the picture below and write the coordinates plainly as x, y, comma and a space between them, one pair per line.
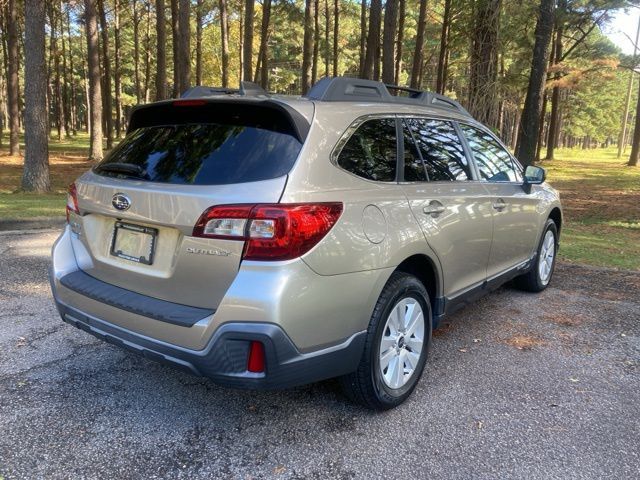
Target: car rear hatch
137, 209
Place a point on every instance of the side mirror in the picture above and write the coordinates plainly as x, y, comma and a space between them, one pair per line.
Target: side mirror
533, 176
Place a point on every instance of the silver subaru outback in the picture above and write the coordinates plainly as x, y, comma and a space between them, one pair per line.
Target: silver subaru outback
271, 241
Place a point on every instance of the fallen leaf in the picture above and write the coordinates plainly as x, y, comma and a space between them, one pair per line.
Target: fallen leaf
463, 350
279, 469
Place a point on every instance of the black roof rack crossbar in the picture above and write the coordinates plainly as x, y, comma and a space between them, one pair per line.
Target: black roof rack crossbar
346, 89
246, 89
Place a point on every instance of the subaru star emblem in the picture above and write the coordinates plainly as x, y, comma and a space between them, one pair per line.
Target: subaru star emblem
121, 202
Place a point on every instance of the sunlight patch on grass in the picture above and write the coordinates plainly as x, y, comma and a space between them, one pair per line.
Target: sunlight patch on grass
28, 205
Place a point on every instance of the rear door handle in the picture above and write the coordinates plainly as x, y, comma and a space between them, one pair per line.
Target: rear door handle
434, 208
499, 204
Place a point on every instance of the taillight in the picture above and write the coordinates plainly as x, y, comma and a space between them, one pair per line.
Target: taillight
277, 231
72, 200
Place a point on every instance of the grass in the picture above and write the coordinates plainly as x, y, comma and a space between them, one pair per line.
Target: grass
67, 160
600, 195
601, 200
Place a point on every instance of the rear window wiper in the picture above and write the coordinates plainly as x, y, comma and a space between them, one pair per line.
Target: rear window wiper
129, 169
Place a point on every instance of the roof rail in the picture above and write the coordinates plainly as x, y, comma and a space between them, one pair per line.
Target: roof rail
246, 89
346, 89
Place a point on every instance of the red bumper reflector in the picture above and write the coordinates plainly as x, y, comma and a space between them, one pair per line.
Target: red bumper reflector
255, 362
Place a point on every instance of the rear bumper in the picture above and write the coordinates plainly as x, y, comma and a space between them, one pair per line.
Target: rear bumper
224, 360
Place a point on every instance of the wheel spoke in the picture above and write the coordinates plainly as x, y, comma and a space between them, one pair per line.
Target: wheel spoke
399, 371
386, 357
416, 319
411, 359
414, 343
395, 322
388, 342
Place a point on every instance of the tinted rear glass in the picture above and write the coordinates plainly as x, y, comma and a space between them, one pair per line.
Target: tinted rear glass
228, 152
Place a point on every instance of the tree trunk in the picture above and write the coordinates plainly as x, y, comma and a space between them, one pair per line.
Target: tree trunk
316, 41
363, 36
373, 40
552, 135
263, 53
175, 40
74, 109
12, 83
85, 78
307, 48
224, 33
66, 79
199, 15
402, 12
441, 76
389, 41
526, 146
95, 94
147, 54
418, 54
161, 51
327, 44
184, 53
60, 119
117, 66
248, 39
635, 148
241, 44
35, 177
483, 79
107, 107
336, 35
135, 18
622, 139
543, 114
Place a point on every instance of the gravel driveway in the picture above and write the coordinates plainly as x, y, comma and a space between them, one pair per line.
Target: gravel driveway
517, 386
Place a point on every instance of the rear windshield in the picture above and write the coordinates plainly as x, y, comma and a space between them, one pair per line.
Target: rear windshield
203, 153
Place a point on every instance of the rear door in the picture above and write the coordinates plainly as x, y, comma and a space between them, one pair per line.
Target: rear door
452, 208
138, 207
515, 213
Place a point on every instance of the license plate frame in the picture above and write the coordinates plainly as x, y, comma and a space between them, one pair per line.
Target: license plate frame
150, 232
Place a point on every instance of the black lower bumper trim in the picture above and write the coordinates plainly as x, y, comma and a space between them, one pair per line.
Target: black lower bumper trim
169, 312
224, 360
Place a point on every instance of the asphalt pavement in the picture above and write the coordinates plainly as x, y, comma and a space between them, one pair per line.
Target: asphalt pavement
516, 386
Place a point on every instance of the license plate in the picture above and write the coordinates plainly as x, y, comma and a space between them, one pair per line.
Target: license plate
134, 242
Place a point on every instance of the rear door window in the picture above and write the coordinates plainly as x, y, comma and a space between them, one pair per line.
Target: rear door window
371, 151
230, 150
441, 149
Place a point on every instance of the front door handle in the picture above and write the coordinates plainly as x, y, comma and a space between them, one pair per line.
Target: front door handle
434, 208
499, 204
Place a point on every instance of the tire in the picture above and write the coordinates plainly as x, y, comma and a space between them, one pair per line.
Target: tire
536, 280
384, 388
